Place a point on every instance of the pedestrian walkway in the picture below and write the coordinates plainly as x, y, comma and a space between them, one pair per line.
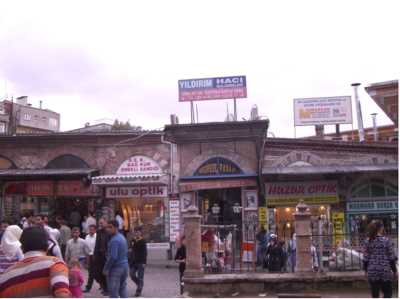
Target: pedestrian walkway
159, 281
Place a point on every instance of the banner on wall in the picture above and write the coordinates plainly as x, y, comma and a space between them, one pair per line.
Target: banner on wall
290, 193
137, 191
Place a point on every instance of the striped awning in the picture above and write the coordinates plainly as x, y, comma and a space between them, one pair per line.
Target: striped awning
127, 179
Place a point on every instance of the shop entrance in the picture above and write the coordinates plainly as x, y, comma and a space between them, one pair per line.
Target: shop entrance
284, 219
221, 206
147, 214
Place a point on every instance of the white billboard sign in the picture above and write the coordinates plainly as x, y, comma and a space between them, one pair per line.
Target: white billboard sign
323, 111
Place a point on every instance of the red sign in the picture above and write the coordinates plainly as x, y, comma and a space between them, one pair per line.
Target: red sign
215, 184
40, 188
76, 188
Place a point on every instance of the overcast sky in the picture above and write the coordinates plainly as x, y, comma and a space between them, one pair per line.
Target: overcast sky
90, 60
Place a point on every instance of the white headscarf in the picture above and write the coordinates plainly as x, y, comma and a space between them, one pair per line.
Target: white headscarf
10, 243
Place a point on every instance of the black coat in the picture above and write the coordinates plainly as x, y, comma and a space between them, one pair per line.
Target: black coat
181, 255
275, 257
100, 248
138, 252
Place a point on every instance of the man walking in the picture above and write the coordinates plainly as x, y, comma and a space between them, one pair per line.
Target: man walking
65, 236
116, 268
138, 261
37, 275
76, 248
90, 242
99, 256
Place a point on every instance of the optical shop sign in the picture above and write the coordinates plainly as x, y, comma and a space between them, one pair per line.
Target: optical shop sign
290, 193
139, 165
137, 191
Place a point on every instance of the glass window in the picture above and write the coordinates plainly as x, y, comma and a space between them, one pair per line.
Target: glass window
377, 190
361, 191
149, 214
374, 188
27, 116
391, 189
2, 127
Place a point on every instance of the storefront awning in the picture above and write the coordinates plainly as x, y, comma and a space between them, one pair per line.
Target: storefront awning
15, 174
303, 170
127, 179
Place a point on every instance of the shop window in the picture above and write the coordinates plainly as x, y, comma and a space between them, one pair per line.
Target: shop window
374, 188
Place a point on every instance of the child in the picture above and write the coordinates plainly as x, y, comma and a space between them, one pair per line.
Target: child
75, 279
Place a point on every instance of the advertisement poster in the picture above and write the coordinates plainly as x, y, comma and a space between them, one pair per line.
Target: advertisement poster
212, 88
322, 111
250, 200
338, 226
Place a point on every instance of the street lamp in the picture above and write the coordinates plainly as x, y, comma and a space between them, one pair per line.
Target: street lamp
215, 210
236, 208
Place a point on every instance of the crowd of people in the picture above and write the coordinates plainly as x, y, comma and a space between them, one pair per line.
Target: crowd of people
39, 260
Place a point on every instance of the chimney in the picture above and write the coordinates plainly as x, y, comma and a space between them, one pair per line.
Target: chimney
40, 104
375, 128
359, 113
87, 124
174, 119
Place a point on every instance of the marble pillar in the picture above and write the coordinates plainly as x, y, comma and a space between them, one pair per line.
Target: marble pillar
192, 232
303, 238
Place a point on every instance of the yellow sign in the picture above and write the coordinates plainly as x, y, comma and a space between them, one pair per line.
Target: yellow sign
262, 216
284, 201
338, 226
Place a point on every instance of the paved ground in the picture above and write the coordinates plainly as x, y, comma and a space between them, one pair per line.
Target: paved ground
159, 281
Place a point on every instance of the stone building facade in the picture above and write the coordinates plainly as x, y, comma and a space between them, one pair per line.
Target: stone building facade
362, 178
53, 174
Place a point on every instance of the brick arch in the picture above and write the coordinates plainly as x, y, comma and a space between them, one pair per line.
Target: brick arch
67, 161
239, 160
299, 156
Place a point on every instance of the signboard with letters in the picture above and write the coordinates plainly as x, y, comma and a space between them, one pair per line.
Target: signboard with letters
76, 188
151, 191
217, 166
139, 165
212, 88
322, 111
290, 193
174, 220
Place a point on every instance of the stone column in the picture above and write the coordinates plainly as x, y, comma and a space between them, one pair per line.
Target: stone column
193, 242
303, 238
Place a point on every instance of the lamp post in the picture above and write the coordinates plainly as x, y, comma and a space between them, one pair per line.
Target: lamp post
215, 211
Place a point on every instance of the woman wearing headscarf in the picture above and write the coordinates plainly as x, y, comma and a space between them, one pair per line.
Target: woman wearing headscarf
10, 247
379, 261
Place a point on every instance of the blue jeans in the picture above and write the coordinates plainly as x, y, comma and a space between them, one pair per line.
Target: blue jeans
137, 275
116, 282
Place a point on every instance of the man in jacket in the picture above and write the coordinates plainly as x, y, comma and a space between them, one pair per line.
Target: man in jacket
116, 268
99, 255
138, 260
